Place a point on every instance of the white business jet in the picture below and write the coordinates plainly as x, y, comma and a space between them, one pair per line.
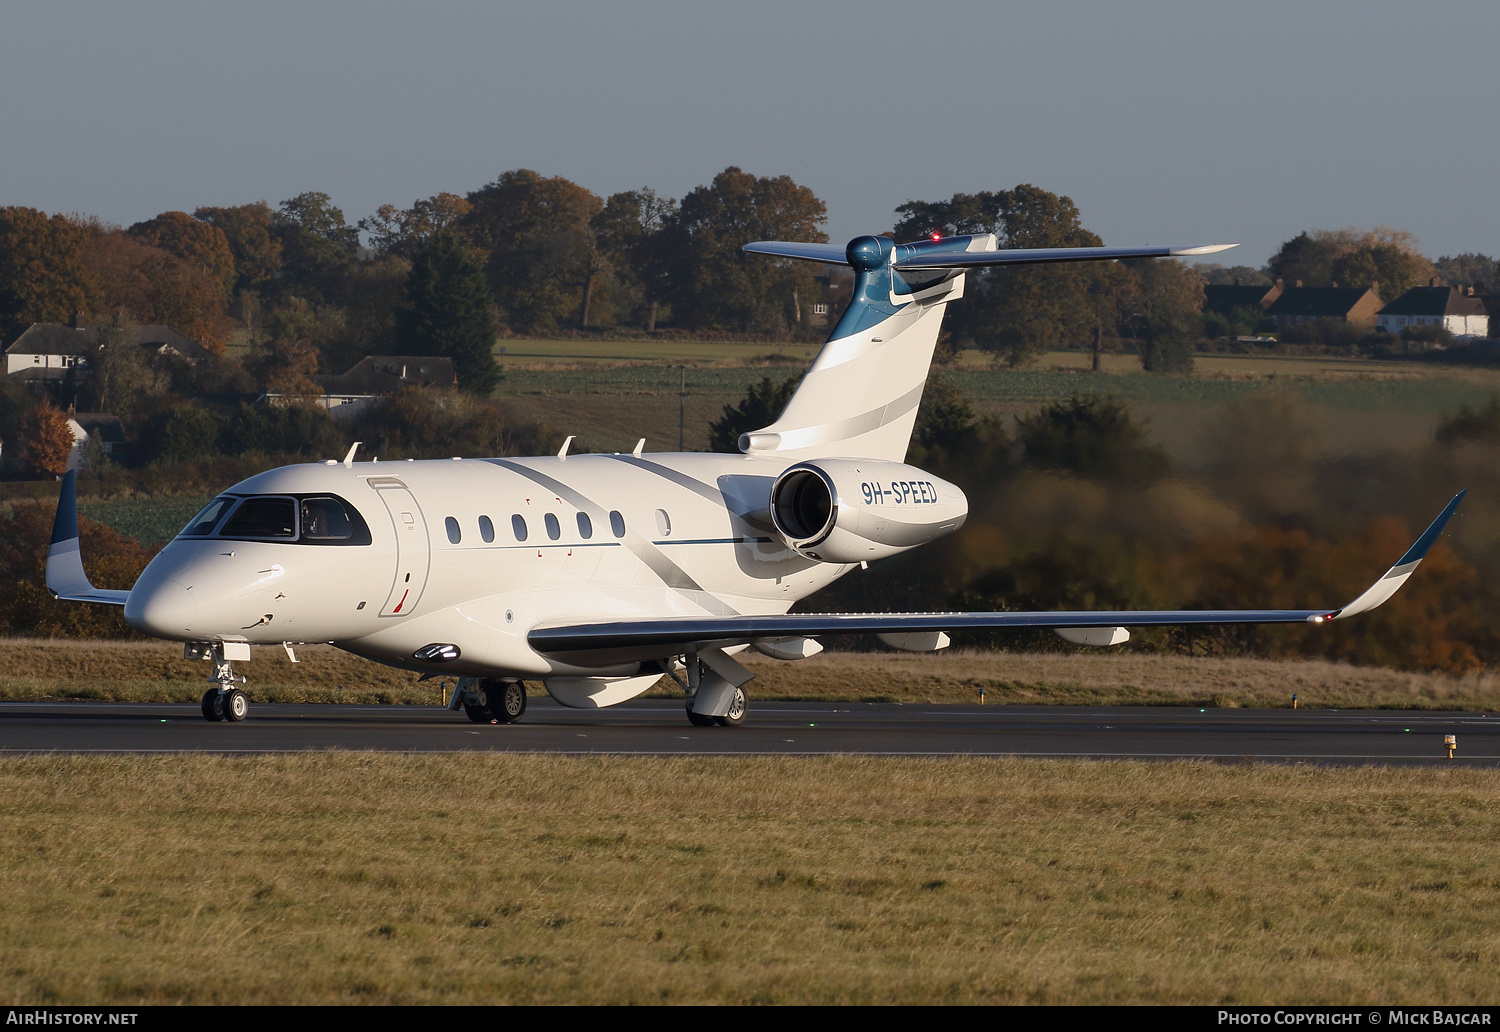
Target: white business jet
598, 575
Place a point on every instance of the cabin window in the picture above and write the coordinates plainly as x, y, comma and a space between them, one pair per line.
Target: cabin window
204, 522
663, 523
554, 529
263, 518
617, 524
518, 527
454, 534
585, 526
486, 529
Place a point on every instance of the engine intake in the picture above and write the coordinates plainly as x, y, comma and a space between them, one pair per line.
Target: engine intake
855, 510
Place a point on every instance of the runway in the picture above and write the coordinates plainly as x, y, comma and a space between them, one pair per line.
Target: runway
658, 727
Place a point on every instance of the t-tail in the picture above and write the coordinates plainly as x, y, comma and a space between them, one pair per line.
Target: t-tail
860, 398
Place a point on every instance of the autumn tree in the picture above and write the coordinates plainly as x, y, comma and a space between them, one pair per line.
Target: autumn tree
122, 374
145, 284
402, 232
711, 281
449, 311
48, 440
199, 244
1386, 258
44, 276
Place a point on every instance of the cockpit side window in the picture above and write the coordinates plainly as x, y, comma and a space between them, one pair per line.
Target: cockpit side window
263, 517
204, 522
329, 520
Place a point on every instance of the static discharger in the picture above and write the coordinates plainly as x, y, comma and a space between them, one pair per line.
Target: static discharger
1450, 742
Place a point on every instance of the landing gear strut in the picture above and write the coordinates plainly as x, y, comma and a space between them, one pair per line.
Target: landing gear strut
224, 701
715, 689
487, 700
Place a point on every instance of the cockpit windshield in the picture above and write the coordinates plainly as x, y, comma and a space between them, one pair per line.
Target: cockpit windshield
297, 519
263, 518
204, 522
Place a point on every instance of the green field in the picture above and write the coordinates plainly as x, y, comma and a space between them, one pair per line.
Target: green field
380, 878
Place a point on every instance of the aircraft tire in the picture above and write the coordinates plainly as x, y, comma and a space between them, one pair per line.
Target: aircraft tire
508, 703
212, 711
236, 706
739, 707
699, 719
478, 714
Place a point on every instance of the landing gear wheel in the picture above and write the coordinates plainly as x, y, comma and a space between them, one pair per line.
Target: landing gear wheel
700, 719
213, 706
478, 714
236, 706
738, 707
508, 701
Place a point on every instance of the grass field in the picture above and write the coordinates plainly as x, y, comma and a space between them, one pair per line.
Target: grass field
357, 878
148, 671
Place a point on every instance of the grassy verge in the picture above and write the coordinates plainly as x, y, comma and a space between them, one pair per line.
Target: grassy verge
529, 879
148, 671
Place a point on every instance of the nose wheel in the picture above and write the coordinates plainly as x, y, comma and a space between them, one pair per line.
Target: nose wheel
224, 701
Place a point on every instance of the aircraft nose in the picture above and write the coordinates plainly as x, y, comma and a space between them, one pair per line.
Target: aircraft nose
163, 610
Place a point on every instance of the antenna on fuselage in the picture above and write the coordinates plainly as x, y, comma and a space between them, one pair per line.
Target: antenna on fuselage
640, 446
349, 455
562, 453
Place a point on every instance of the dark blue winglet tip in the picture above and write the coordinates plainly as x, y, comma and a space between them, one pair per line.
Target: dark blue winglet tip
1429, 536
65, 525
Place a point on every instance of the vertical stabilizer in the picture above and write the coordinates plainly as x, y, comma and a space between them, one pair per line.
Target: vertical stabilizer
860, 397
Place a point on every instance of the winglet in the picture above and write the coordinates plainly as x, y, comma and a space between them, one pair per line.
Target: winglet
65, 577
1396, 576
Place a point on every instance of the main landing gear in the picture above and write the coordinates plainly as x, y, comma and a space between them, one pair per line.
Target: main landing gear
715, 689
487, 700
224, 701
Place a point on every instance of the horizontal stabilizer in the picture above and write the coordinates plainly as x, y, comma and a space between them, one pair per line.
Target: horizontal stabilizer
628, 640
830, 254
65, 577
1043, 255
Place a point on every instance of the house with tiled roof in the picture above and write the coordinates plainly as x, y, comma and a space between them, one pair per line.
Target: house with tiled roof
1300, 304
1227, 298
1459, 312
372, 378
49, 351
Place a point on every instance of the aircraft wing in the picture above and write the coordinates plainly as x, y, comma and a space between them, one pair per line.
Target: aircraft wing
622, 641
65, 577
1038, 255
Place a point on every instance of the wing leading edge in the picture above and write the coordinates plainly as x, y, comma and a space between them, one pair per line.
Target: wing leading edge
629, 640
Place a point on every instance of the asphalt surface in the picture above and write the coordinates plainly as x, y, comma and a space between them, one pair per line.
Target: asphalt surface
657, 727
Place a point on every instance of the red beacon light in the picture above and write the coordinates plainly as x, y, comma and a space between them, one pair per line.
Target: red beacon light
937, 236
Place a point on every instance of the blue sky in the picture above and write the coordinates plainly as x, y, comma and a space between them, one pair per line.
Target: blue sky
1165, 122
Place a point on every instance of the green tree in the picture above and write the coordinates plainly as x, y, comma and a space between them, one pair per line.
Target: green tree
534, 233
1386, 258
761, 406
317, 245
1162, 308
247, 230
1471, 270
711, 281
1018, 312
180, 434
43, 273
449, 311
1091, 435
122, 374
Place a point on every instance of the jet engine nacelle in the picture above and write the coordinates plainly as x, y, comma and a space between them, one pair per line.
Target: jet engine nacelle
853, 510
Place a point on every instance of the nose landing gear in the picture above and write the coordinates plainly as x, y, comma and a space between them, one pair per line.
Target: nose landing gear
224, 701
